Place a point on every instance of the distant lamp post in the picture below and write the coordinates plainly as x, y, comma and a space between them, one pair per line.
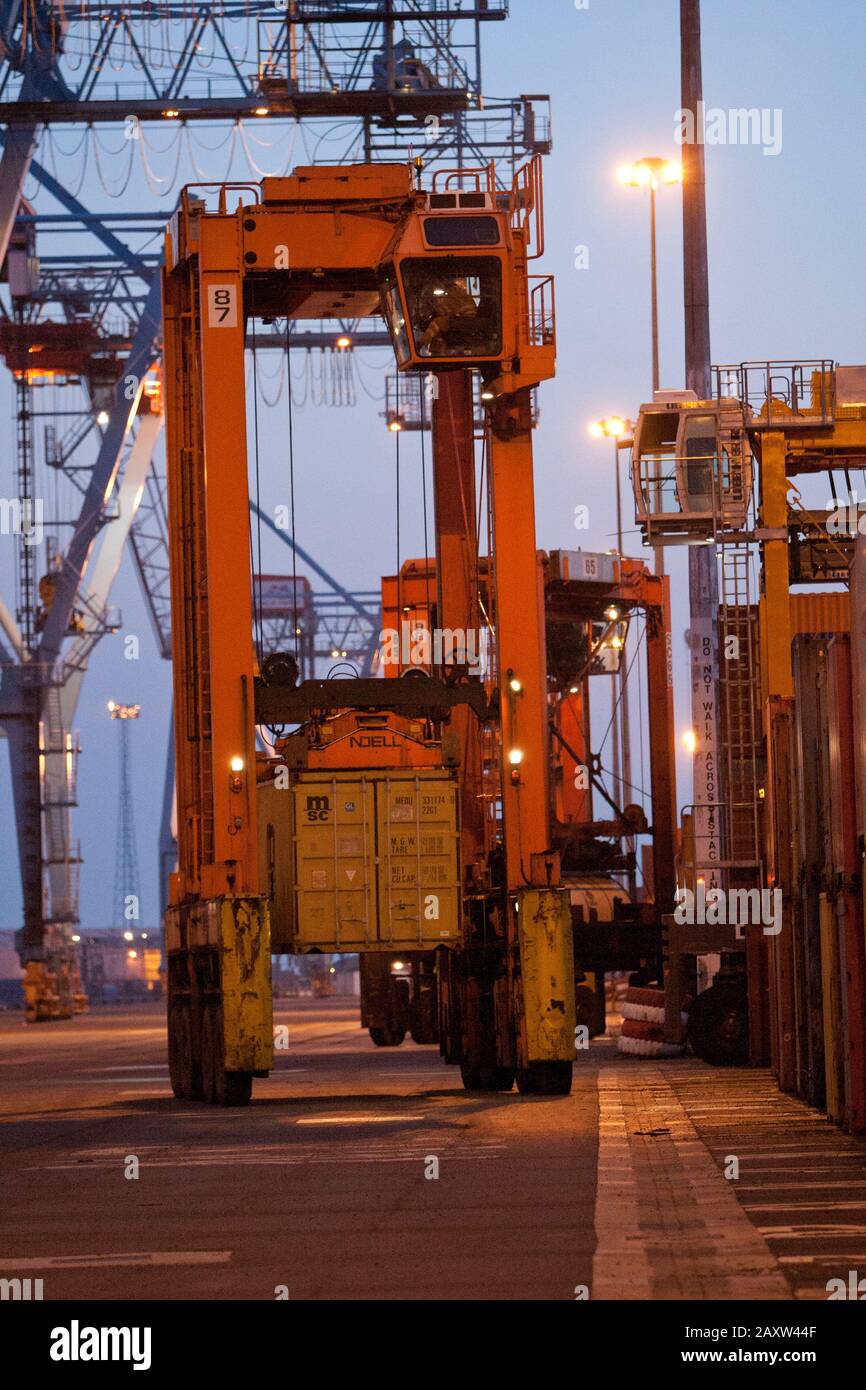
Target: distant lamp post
617, 428
118, 711
652, 173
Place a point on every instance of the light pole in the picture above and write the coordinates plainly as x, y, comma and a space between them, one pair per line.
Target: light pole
652, 173
619, 430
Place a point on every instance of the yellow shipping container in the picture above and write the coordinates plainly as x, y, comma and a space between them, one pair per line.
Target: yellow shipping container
355, 862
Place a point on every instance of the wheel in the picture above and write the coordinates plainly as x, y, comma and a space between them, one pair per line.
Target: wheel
545, 1079
422, 1017
587, 1010
387, 1037
220, 1087
180, 1065
423, 1034
486, 1078
211, 1055
718, 1027
236, 1088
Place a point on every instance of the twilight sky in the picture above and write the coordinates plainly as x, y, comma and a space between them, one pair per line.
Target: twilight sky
786, 274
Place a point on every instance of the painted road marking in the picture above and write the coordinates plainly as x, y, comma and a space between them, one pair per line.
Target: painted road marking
139, 1258
665, 1220
135, 1066
394, 1119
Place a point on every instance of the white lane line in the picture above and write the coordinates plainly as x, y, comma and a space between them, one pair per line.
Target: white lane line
63, 1081
832, 1260
359, 1119
137, 1258
408, 1073
846, 1186
795, 1207
814, 1231
136, 1066
282, 1071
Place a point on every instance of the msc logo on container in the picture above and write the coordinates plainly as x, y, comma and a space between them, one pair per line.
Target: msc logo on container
318, 808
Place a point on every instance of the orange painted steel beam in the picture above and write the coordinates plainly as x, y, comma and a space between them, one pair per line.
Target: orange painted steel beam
457, 574
521, 646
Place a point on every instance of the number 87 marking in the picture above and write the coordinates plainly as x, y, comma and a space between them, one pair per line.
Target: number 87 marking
222, 306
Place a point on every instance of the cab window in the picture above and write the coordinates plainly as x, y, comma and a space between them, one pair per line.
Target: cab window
454, 305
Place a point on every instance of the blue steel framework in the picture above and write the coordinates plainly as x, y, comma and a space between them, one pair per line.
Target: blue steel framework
404, 79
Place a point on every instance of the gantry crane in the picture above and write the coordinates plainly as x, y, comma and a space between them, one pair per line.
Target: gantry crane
395, 76
591, 601
721, 470
362, 833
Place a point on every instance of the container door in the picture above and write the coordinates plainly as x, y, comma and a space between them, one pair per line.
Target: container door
418, 861
335, 855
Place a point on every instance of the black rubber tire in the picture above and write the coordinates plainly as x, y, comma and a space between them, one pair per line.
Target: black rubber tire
181, 1063
423, 1028
211, 1058
424, 1037
236, 1088
179, 1049
545, 1079
486, 1078
587, 1010
718, 1027
387, 1037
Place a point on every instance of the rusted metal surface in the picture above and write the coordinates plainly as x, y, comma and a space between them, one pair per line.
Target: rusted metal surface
844, 878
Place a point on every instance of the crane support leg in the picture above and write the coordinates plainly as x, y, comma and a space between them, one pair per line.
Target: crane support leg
538, 919
220, 1015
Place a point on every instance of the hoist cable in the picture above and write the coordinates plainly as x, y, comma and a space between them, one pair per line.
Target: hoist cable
257, 587
397, 433
292, 489
422, 389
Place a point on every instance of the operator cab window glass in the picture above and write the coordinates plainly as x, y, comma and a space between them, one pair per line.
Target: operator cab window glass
454, 305
392, 311
701, 455
461, 231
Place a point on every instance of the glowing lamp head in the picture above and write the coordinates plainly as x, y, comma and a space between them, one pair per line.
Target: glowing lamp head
237, 765
690, 741
344, 342
515, 757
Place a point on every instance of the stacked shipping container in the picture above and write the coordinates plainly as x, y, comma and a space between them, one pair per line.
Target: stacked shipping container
827, 1043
